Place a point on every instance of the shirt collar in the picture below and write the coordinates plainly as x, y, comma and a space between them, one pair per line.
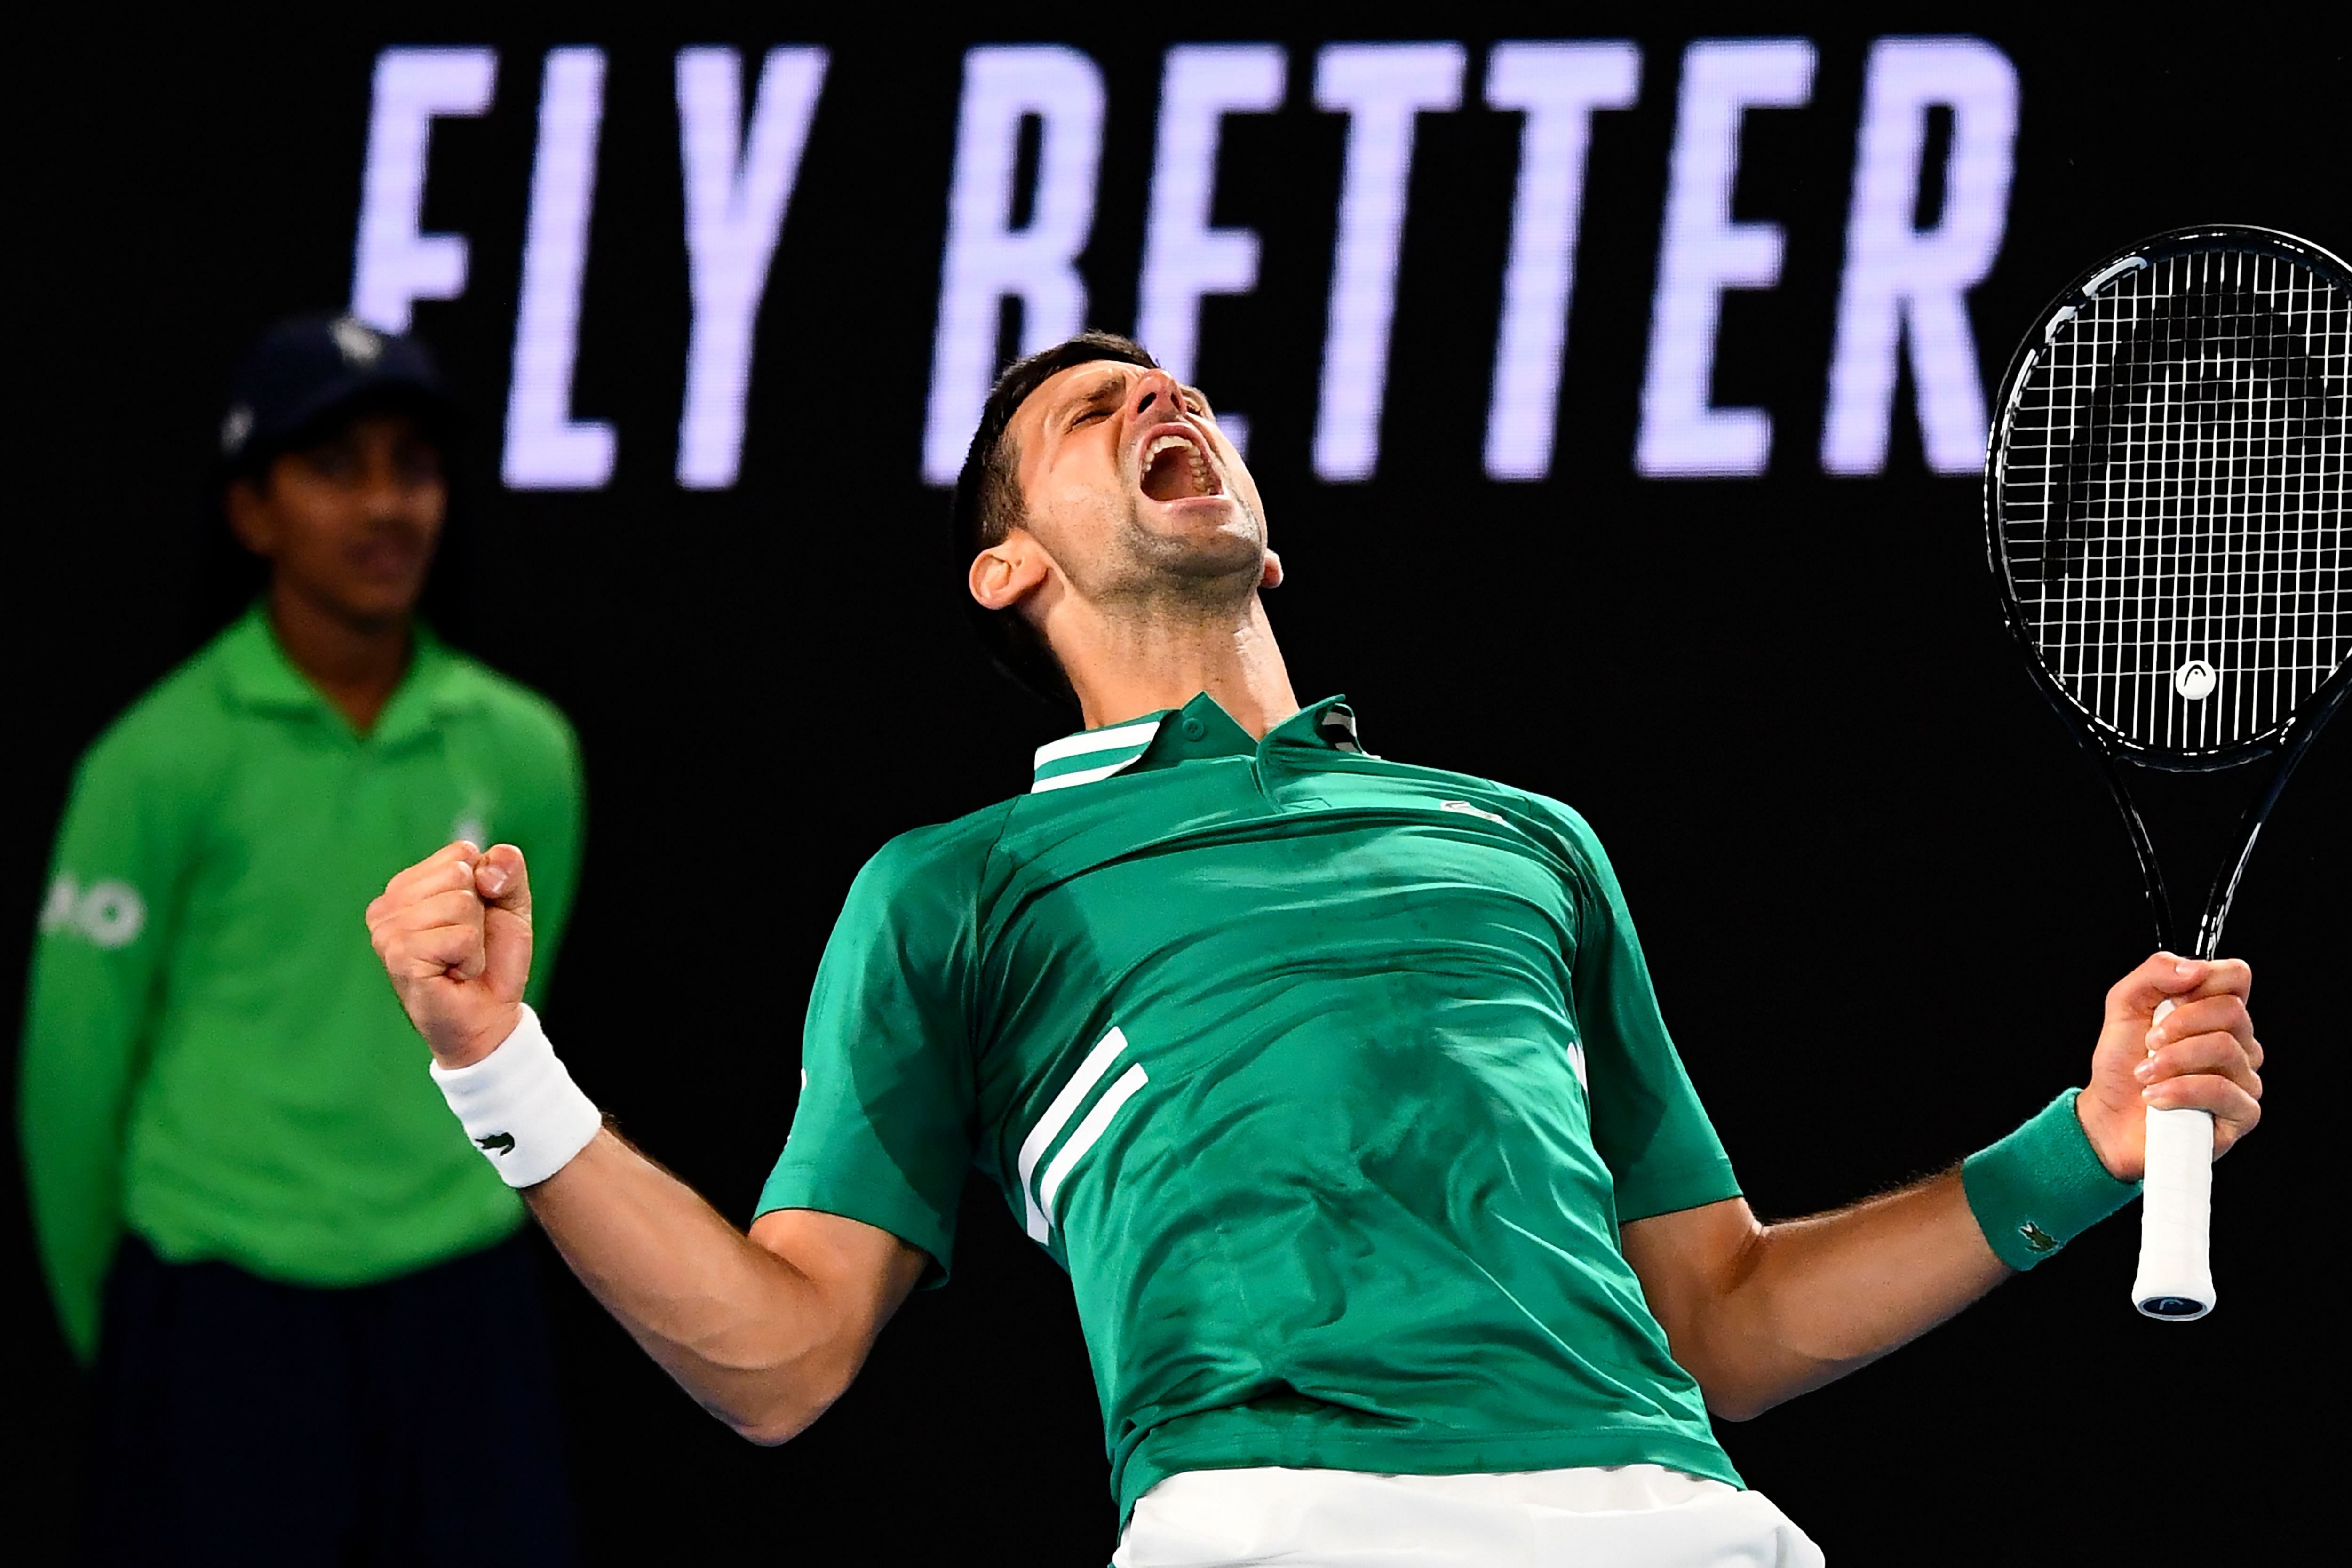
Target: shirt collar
262, 677
1092, 754
1173, 735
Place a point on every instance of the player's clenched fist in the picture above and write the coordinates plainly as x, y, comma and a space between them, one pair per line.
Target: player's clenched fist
454, 933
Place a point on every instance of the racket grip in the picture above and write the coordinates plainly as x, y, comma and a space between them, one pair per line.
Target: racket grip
2176, 1219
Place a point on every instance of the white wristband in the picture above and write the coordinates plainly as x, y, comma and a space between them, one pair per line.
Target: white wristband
521, 1106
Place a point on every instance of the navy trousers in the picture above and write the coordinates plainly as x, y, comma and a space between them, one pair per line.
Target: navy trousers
244, 1421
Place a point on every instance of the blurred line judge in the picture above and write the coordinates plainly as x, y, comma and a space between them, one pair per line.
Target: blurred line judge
300, 1285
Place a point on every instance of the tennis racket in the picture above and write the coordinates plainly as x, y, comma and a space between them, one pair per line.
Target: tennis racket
2165, 503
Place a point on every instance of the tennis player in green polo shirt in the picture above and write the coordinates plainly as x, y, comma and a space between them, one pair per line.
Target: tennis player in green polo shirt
1336, 1084
221, 1106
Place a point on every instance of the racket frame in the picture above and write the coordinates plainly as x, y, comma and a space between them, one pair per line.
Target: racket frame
2109, 747
2288, 741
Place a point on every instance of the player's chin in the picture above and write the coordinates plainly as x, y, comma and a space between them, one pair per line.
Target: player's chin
1214, 534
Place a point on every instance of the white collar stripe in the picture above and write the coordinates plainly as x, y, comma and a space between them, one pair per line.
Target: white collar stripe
1138, 734
1083, 776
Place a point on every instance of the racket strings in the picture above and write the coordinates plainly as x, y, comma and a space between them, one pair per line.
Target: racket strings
2172, 495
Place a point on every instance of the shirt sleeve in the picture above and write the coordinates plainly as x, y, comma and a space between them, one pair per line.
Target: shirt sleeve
1647, 1122
885, 1129
98, 958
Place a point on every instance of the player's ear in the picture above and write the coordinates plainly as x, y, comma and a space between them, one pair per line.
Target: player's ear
1005, 573
1272, 576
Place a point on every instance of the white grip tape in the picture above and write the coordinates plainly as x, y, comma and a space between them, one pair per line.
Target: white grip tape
521, 1106
2176, 1214
2176, 1220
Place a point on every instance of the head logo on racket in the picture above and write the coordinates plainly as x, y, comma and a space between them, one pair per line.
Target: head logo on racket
2194, 680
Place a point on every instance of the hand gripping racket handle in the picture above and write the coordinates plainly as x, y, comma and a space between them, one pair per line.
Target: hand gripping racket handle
2176, 1216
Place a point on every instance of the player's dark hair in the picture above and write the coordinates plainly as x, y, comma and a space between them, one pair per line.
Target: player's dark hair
989, 505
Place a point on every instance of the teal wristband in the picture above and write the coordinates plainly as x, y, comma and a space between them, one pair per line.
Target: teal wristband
2041, 1186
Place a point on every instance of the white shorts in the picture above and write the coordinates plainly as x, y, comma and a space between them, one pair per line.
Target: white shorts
1624, 1516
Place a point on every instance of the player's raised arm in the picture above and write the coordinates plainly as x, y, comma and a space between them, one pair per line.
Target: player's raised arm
1760, 1313
764, 1331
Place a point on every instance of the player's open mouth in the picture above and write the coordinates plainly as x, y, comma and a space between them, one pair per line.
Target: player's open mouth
1176, 467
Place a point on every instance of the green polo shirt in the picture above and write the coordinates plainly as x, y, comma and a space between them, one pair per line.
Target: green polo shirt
1328, 1080
211, 1055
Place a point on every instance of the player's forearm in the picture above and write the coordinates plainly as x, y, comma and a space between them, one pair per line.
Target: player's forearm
1808, 1300
751, 1338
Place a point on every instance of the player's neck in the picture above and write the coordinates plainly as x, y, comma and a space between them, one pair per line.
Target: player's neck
1132, 667
355, 663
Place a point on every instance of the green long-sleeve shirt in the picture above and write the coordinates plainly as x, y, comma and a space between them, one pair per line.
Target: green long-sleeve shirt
213, 1057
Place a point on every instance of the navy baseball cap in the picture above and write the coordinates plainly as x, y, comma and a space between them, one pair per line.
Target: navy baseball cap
305, 370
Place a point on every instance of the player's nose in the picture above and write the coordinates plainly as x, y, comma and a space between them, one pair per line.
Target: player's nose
1154, 395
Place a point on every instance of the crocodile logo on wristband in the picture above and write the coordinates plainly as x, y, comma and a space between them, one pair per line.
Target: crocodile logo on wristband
2035, 1237
503, 1143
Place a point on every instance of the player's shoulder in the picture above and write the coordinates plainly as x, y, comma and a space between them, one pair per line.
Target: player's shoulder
1531, 805
1561, 816
942, 853
1563, 820
1546, 818
925, 884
